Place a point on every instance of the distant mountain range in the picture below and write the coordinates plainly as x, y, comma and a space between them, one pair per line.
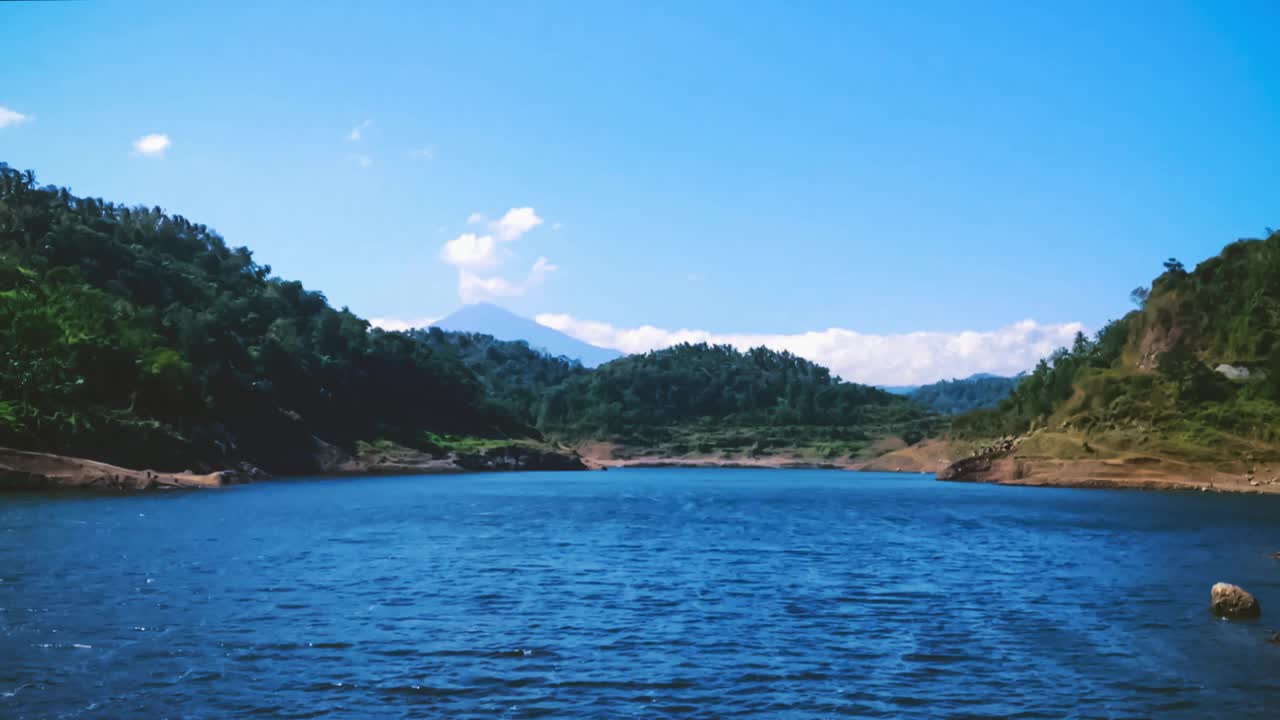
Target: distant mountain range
953, 397
503, 324
908, 389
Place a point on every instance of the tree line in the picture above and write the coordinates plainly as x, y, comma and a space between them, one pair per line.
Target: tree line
139, 337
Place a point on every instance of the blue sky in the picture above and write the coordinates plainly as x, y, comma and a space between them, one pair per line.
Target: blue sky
755, 170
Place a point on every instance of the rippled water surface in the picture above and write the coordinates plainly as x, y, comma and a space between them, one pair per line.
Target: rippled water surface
635, 593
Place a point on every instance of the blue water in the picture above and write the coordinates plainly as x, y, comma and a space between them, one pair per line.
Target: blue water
635, 593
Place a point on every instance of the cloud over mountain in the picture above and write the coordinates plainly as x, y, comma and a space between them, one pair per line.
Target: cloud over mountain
478, 255
898, 359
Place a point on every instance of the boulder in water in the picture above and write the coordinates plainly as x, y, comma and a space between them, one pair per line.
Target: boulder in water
1231, 601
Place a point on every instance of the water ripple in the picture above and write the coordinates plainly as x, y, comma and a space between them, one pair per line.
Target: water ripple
640, 593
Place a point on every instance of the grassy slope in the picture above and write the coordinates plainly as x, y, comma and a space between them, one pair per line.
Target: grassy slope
1135, 408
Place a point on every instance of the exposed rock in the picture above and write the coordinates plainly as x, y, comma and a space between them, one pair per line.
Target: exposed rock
1156, 340
23, 470
407, 461
328, 458
1231, 601
979, 466
517, 457
1232, 372
970, 468
241, 473
931, 455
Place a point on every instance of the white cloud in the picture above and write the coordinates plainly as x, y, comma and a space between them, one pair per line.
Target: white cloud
542, 267
397, 324
423, 153
474, 288
903, 359
364, 161
515, 223
11, 117
557, 226
472, 252
357, 132
509, 227
152, 145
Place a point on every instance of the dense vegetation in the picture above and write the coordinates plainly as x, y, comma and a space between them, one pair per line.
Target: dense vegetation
514, 375
138, 337
134, 336
1149, 382
703, 398
688, 399
952, 397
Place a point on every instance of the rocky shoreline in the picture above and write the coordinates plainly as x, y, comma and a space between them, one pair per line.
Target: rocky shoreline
1000, 463
403, 461
1004, 462
925, 457
27, 470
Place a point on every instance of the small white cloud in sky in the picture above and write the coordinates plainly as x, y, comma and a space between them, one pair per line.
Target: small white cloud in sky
471, 251
515, 223
474, 252
152, 145
557, 225
474, 288
542, 267
363, 161
423, 153
11, 117
901, 359
397, 324
357, 132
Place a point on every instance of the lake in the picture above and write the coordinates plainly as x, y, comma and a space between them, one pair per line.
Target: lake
644, 593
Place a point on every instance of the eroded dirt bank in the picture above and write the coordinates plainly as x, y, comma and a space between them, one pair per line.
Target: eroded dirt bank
23, 470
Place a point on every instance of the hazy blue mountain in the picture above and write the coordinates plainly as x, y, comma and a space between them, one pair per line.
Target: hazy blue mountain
952, 397
506, 325
908, 389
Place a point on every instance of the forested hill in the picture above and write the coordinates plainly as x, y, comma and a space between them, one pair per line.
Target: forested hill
704, 398
138, 337
515, 376
687, 398
1193, 373
953, 397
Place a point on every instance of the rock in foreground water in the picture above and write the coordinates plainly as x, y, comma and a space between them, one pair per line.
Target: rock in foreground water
1232, 601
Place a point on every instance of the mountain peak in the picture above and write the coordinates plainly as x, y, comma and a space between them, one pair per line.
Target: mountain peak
490, 319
